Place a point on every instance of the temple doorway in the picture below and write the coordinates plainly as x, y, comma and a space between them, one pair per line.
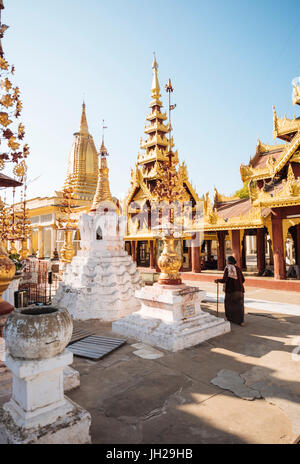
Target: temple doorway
143, 254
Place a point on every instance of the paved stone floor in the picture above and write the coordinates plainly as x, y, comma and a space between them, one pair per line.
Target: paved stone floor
172, 400
254, 397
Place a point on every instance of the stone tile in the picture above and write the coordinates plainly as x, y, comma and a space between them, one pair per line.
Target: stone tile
231, 380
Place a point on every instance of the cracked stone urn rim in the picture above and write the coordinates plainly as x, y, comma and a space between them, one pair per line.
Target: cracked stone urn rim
37, 333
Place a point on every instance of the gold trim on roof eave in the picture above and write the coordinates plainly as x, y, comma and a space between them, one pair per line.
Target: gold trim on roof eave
287, 195
249, 173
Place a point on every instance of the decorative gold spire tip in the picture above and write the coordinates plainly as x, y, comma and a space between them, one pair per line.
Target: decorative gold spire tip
103, 149
154, 64
83, 123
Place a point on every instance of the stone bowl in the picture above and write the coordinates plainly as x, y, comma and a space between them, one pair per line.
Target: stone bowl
37, 333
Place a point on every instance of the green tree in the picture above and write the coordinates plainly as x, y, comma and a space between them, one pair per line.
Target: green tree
243, 192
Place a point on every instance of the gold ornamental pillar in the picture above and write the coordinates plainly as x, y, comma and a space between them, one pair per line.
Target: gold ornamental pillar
67, 252
24, 252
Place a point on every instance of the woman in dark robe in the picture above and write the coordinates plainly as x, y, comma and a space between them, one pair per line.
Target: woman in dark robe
233, 280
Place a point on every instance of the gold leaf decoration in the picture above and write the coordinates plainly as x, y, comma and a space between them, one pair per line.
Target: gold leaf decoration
7, 101
6, 84
21, 131
4, 119
20, 170
13, 144
2, 164
3, 63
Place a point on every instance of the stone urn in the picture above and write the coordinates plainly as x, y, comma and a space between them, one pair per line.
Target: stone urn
37, 333
169, 263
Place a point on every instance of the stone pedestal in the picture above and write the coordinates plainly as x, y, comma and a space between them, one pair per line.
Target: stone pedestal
9, 294
38, 411
171, 318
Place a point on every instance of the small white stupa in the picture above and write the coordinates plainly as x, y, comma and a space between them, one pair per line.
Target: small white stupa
101, 280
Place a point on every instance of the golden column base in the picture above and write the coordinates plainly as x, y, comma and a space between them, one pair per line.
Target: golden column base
23, 252
7, 272
67, 252
169, 263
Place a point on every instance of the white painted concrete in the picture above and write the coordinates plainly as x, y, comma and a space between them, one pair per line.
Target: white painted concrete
171, 318
101, 280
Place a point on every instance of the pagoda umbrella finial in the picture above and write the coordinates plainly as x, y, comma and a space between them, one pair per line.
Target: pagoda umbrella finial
83, 123
103, 193
103, 150
155, 83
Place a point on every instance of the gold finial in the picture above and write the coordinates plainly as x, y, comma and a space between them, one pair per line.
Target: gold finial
154, 64
103, 150
169, 87
103, 190
155, 83
83, 123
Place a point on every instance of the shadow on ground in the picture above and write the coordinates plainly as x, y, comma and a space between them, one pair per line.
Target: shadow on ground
172, 400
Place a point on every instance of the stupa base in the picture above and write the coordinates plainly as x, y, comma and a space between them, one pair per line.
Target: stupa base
72, 428
171, 318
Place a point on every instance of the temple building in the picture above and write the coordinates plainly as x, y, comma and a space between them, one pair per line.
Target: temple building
271, 214
82, 175
141, 240
264, 223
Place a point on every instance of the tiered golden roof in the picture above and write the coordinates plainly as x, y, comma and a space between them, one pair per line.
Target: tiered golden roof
148, 170
156, 143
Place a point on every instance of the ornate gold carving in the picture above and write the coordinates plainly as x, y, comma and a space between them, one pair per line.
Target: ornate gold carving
263, 147
212, 221
296, 91
218, 198
169, 263
272, 166
288, 152
296, 157
284, 126
67, 252
20, 169
287, 194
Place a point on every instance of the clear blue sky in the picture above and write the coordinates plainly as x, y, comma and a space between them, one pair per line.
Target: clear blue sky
229, 61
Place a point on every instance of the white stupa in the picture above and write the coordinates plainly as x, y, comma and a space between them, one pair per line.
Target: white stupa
101, 280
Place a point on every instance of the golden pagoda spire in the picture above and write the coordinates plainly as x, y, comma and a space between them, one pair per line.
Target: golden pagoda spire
84, 130
103, 190
82, 172
156, 143
155, 84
